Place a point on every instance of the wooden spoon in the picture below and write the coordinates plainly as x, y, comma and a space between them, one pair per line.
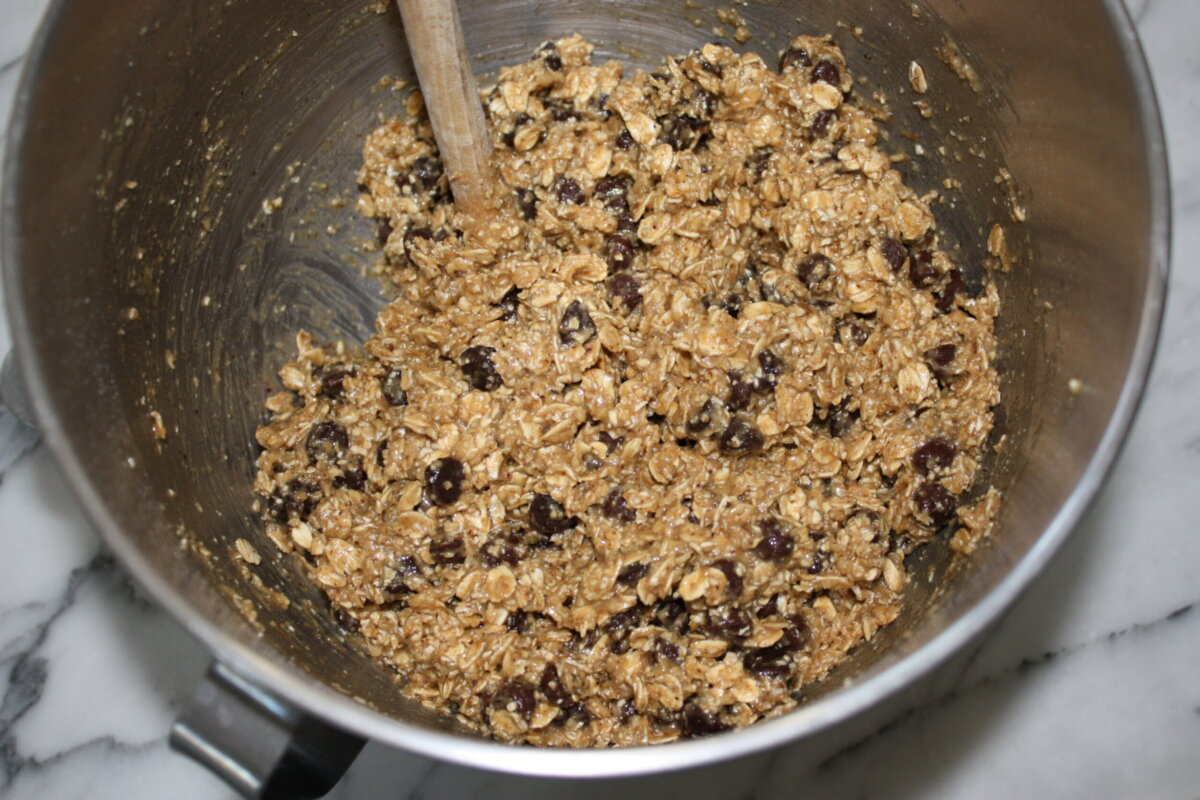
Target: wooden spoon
439, 53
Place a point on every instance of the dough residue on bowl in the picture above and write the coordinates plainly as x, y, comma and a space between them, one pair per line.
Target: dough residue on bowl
647, 455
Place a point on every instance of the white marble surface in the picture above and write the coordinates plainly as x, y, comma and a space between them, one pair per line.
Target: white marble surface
1089, 688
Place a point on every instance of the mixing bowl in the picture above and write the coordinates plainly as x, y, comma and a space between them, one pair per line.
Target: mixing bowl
179, 200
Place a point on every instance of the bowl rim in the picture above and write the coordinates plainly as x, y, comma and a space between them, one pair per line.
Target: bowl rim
291, 685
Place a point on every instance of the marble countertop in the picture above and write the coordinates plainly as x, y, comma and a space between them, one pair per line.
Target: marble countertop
1089, 687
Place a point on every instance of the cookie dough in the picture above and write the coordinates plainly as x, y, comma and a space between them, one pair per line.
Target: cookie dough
646, 455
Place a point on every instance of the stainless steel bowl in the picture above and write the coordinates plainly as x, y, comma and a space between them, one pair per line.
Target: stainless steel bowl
144, 273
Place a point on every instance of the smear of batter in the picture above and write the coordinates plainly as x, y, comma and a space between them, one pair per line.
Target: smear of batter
646, 457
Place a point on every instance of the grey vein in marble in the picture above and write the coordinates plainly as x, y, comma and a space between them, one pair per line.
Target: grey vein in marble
28, 671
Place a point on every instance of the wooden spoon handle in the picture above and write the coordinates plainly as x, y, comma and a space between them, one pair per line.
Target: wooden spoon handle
439, 53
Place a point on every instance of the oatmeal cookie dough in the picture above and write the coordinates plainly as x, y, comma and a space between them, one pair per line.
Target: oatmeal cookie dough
648, 456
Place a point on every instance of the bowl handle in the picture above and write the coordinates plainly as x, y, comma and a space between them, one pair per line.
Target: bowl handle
259, 744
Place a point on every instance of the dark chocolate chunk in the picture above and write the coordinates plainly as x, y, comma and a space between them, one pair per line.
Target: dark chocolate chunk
326, 441
775, 544
576, 325
740, 436
547, 516
444, 481
934, 503
615, 508
479, 369
389, 384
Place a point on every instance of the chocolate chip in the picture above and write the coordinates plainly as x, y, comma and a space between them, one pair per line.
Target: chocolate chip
567, 190
767, 662
612, 191
327, 441
770, 366
448, 551
934, 456
552, 687
630, 574
953, 288
547, 516
354, 478
576, 713
704, 101
769, 608
921, 271
624, 139
851, 333
428, 171
405, 567
695, 721
740, 391
333, 384
527, 204
624, 287
517, 621
576, 325
775, 544
840, 420
794, 57
503, 548
389, 385
299, 499
710, 202
703, 418
345, 620
410, 237
935, 503
610, 442
740, 436
826, 72
671, 614
732, 624
520, 120
619, 626
733, 580
516, 697
666, 649
680, 130
627, 226
509, 303
774, 661
816, 272
479, 369
821, 121
817, 565
551, 57
615, 508
623, 620
444, 480
731, 304
561, 110
759, 161
618, 253
600, 101
276, 507
941, 357
894, 253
